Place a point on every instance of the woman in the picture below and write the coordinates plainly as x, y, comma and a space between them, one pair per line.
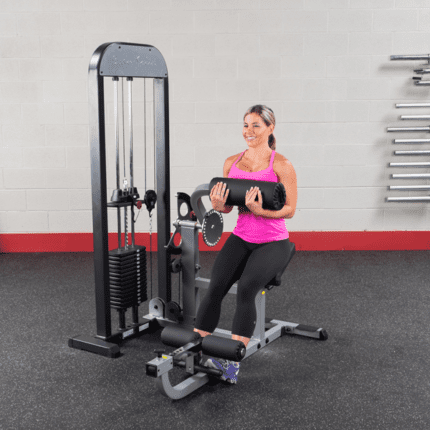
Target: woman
258, 247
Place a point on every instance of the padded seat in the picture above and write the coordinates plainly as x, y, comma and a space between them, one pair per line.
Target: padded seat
276, 281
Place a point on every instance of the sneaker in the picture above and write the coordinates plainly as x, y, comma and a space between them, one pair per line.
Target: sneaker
230, 369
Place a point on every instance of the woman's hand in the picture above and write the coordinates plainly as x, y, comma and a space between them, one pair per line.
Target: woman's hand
256, 207
217, 196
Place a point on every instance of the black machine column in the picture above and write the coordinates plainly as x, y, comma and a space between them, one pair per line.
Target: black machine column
161, 130
99, 193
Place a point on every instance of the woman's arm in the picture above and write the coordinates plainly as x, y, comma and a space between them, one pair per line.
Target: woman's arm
227, 166
288, 178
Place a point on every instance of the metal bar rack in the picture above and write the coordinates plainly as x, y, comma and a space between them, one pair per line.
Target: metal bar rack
413, 129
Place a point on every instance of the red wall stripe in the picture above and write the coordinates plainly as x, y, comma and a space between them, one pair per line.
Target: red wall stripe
305, 241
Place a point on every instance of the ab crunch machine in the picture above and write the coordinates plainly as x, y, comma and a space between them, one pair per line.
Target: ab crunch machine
121, 273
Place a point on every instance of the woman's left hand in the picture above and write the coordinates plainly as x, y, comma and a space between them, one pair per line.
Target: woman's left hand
256, 207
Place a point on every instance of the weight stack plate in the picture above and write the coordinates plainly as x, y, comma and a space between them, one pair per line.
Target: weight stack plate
127, 277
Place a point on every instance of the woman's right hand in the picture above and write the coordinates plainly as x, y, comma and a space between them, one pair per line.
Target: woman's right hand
218, 196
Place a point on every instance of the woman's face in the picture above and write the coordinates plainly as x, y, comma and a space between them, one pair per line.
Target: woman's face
255, 131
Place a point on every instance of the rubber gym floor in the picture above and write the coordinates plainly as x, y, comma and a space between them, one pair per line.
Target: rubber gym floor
372, 373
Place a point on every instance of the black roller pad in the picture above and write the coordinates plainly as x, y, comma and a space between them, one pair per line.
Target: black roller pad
223, 348
178, 336
273, 193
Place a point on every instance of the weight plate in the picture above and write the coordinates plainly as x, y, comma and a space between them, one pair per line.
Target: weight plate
127, 273
121, 252
121, 290
127, 262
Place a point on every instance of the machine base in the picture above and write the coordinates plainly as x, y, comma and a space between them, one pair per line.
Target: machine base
160, 367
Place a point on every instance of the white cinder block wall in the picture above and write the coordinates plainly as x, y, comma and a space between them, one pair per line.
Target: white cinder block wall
322, 65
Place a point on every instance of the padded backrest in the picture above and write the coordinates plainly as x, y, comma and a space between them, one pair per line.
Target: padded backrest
276, 281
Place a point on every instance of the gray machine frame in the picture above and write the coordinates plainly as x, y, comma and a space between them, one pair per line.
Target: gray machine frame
266, 330
128, 60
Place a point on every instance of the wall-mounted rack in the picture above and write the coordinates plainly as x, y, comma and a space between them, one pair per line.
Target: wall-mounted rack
418, 81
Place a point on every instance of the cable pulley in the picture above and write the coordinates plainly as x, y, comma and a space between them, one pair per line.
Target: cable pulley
174, 312
150, 199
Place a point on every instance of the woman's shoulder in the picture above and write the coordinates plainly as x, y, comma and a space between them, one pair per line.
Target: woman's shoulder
230, 160
282, 166
234, 157
281, 160
229, 163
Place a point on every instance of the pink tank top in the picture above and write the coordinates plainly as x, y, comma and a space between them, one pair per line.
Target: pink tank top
256, 229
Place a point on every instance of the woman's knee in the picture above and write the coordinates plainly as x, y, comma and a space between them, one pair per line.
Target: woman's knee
250, 286
246, 298
215, 295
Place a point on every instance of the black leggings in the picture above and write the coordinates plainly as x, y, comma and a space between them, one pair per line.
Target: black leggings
254, 265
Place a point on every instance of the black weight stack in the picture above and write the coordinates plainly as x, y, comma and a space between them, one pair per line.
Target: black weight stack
127, 278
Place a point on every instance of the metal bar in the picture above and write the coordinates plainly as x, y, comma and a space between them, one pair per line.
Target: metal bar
410, 141
409, 187
412, 105
422, 83
125, 182
115, 111
125, 228
118, 214
161, 136
189, 259
130, 125
144, 126
415, 117
410, 57
411, 152
123, 128
408, 199
99, 194
422, 71
411, 176
426, 165
408, 129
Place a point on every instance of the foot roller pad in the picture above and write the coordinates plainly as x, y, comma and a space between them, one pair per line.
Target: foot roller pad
220, 347
178, 336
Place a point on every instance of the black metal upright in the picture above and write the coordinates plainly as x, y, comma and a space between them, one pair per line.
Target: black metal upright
161, 119
99, 193
120, 59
